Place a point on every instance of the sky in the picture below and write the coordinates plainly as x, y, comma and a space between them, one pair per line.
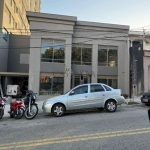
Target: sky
135, 13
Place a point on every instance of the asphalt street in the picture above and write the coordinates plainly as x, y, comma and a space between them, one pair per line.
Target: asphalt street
127, 128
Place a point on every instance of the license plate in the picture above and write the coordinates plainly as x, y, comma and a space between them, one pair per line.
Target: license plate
145, 100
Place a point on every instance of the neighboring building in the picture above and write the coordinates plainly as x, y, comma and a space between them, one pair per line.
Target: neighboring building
13, 15
139, 63
66, 52
15, 39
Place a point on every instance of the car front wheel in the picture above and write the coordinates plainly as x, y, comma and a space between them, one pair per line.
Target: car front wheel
111, 106
58, 110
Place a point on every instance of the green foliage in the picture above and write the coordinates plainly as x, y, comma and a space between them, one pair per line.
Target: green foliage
125, 96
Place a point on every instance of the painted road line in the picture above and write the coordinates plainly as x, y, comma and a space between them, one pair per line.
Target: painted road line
35, 143
70, 137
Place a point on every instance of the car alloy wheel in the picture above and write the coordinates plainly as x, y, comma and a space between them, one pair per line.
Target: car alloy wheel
58, 110
111, 106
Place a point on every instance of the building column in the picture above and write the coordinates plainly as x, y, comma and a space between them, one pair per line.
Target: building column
94, 63
67, 69
34, 65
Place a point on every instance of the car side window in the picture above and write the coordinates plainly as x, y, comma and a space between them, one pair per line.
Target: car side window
96, 88
107, 88
81, 90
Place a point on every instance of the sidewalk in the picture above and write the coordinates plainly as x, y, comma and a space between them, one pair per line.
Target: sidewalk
136, 99
7, 107
40, 102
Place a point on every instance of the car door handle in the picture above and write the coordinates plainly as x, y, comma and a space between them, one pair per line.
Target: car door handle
85, 96
103, 94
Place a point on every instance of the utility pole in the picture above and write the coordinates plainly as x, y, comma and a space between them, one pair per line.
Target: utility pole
132, 83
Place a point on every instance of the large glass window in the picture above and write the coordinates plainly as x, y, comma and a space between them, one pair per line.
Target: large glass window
107, 56
5, 34
53, 51
110, 81
82, 55
51, 85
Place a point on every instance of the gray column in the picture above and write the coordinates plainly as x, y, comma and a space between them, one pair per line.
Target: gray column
34, 65
67, 76
94, 63
127, 67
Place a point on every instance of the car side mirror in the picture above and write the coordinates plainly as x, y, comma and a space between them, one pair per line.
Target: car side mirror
71, 93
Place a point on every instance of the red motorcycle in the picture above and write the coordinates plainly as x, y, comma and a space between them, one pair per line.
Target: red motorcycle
17, 109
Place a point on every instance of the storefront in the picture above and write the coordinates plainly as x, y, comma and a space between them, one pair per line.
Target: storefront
65, 53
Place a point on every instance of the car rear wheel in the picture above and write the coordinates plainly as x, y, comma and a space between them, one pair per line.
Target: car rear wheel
58, 110
111, 106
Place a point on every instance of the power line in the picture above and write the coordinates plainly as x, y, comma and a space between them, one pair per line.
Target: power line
102, 43
140, 27
69, 37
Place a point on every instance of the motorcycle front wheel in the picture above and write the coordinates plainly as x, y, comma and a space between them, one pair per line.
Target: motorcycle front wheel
33, 111
1, 113
19, 114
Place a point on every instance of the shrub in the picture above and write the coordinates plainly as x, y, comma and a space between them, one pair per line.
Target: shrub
125, 96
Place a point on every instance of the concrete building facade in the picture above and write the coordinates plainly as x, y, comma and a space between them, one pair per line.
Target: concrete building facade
140, 62
13, 48
66, 52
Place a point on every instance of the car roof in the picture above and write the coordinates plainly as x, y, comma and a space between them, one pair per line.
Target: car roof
91, 84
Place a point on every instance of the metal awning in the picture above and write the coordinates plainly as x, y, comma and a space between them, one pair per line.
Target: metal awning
14, 74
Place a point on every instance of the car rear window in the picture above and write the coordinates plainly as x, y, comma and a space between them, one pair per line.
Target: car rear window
107, 88
96, 88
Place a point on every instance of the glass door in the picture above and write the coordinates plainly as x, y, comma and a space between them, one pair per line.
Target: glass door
80, 79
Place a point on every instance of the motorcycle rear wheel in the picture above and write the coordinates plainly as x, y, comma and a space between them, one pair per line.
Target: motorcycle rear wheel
20, 113
1, 113
32, 113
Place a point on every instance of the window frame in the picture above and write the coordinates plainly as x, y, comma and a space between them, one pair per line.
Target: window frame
107, 48
79, 88
81, 47
54, 44
97, 86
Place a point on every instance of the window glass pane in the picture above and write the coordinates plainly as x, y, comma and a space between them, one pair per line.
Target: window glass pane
86, 56
5, 34
51, 85
53, 51
81, 90
102, 81
45, 85
59, 51
58, 85
96, 88
112, 57
107, 88
102, 57
112, 83
76, 81
76, 55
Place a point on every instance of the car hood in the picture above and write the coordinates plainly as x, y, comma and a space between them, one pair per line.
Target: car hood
54, 98
147, 93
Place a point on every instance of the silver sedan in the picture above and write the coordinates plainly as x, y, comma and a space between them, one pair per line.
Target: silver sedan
100, 96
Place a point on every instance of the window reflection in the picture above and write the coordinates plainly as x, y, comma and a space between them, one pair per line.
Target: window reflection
110, 82
107, 57
102, 57
53, 51
51, 85
82, 55
112, 58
